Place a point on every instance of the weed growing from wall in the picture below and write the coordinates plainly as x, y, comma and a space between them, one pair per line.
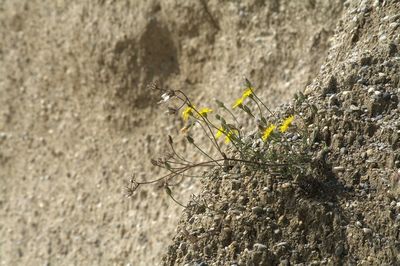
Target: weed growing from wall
271, 147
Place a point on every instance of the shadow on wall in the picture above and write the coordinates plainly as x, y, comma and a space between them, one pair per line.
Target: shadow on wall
138, 61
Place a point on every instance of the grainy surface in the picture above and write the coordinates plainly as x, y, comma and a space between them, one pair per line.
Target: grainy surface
345, 208
76, 119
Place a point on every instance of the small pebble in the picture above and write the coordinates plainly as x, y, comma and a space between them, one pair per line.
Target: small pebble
367, 231
257, 210
260, 247
338, 169
281, 244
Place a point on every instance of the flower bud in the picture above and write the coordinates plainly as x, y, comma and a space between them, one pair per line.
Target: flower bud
170, 141
219, 103
190, 139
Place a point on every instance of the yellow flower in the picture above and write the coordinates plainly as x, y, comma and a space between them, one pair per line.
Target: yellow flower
286, 123
238, 102
231, 134
219, 132
203, 112
248, 92
268, 132
228, 135
187, 112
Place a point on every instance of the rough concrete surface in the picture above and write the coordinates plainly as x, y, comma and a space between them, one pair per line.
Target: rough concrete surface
340, 207
77, 119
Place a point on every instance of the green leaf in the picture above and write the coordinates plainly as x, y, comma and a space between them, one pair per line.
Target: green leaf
168, 190
190, 139
167, 165
220, 104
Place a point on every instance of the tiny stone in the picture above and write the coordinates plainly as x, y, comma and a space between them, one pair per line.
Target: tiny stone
371, 90
281, 220
260, 247
281, 244
386, 96
284, 262
183, 247
257, 210
367, 231
3, 135
394, 25
354, 108
236, 184
338, 169
339, 250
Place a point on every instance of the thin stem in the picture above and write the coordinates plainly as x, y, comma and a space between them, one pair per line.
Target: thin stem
177, 155
208, 156
212, 20
232, 140
177, 202
208, 136
183, 104
258, 105
264, 105
187, 100
174, 162
211, 164
247, 112
204, 204
234, 117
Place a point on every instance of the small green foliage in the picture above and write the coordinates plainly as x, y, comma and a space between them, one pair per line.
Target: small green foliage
272, 148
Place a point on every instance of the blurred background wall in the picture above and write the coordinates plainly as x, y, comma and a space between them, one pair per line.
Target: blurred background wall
76, 117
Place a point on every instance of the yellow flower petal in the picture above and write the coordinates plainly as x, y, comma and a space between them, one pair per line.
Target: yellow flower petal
187, 112
203, 112
268, 132
286, 123
230, 136
238, 102
219, 133
247, 92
